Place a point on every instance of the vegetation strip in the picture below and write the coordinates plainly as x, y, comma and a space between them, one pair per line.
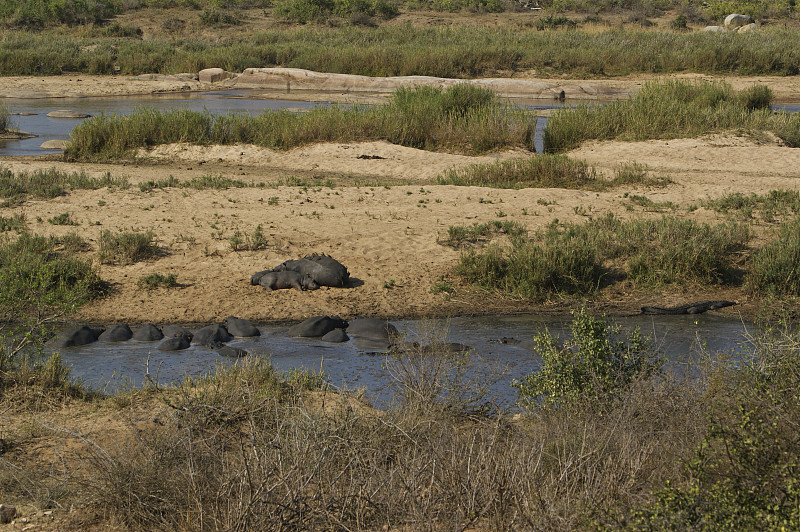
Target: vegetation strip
457, 52
460, 118
672, 109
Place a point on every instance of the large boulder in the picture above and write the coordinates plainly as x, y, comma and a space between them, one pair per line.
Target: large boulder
239, 327
317, 326
734, 21
118, 333
212, 335
714, 29
148, 333
75, 337
325, 270
213, 75
747, 27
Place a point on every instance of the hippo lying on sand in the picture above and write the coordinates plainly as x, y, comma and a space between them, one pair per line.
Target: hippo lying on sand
272, 280
325, 270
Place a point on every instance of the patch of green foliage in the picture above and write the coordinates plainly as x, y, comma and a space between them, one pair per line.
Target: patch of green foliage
771, 206
41, 13
578, 259
459, 235
775, 267
15, 222
152, 281
541, 171
126, 247
672, 109
461, 118
5, 118
62, 219
46, 184
596, 363
304, 11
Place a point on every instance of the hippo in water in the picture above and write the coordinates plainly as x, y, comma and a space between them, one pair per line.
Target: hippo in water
271, 280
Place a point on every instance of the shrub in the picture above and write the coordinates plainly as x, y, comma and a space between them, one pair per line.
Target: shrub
774, 267
152, 281
597, 362
5, 119
458, 235
126, 247
542, 171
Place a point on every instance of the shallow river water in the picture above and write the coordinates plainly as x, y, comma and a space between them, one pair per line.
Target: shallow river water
346, 366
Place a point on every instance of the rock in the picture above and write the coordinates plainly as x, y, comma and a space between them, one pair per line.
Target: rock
713, 28
211, 335
232, 352
54, 144
747, 27
175, 343
336, 336
239, 327
317, 326
213, 75
67, 113
171, 331
117, 333
734, 21
7, 513
148, 333
75, 337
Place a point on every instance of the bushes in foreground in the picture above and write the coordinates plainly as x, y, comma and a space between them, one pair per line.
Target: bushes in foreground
461, 118
672, 109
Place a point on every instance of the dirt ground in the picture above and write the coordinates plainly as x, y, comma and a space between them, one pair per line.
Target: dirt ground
381, 217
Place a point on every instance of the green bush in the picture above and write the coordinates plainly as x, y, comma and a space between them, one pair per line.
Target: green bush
542, 171
39, 13
774, 268
597, 362
126, 247
5, 119
155, 280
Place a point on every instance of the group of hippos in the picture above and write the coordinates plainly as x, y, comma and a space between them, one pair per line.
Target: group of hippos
308, 273
371, 331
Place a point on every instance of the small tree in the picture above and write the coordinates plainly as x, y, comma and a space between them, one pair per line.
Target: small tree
596, 362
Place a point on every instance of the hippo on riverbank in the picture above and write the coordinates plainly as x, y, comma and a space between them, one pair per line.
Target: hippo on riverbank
325, 270
272, 280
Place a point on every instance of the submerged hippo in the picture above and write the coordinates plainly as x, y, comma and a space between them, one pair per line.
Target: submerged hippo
287, 279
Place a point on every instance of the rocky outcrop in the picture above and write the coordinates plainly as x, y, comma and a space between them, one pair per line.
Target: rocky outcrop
213, 75
67, 113
735, 21
298, 79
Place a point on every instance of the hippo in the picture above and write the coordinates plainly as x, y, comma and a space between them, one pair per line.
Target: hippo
171, 331
336, 336
117, 333
372, 333
175, 343
317, 326
212, 335
287, 279
242, 328
325, 270
75, 337
232, 352
148, 333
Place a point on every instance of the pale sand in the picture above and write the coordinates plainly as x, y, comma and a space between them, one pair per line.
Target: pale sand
386, 235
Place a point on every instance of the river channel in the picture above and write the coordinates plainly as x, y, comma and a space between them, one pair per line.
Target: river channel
502, 349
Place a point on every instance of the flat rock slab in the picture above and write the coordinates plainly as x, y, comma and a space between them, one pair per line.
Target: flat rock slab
67, 113
54, 144
288, 79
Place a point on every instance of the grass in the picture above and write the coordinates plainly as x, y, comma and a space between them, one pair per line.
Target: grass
152, 281
459, 235
774, 267
770, 207
15, 188
126, 247
15, 222
461, 118
579, 259
672, 109
5, 119
457, 52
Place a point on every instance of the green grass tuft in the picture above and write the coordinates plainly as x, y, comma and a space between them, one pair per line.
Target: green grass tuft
126, 247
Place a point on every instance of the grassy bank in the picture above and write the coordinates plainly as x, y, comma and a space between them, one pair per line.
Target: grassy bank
607, 439
459, 52
461, 118
580, 259
672, 109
